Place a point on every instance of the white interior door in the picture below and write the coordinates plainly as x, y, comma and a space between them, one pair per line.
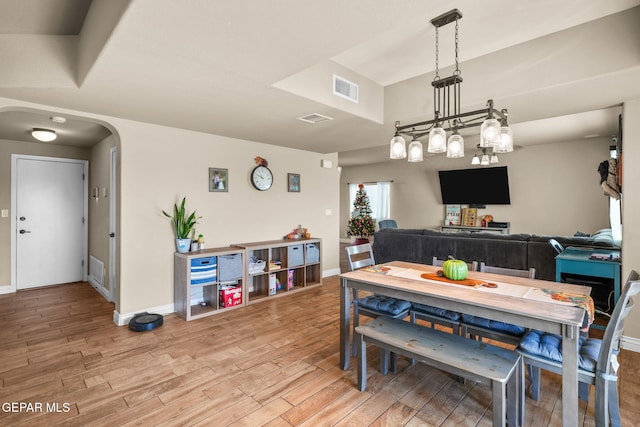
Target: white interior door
50, 242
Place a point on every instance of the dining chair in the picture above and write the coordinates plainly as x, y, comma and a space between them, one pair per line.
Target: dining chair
437, 315
387, 223
361, 256
479, 327
597, 364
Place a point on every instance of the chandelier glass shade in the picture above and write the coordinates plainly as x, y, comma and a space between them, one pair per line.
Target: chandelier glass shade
448, 117
437, 140
398, 148
455, 146
415, 151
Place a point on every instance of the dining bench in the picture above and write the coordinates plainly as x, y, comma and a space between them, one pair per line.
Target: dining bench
496, 367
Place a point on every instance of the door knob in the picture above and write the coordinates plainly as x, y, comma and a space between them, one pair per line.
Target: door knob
112, 234
24, 231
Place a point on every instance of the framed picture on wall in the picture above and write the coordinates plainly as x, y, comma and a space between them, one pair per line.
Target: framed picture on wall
218, 179
293, 182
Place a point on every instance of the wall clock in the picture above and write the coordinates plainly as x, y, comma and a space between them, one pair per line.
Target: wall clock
261, 178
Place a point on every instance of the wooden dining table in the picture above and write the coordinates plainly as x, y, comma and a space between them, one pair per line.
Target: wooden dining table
522, 301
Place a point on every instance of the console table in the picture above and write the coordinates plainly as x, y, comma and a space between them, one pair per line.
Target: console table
574, 260
456, 228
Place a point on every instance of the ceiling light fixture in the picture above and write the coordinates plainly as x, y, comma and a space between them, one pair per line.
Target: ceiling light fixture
486, 156
448, 117
44, 135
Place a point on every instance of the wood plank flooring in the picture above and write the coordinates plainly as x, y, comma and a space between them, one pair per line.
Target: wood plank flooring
275, 363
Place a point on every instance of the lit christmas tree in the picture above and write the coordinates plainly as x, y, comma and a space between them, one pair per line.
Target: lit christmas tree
361, 223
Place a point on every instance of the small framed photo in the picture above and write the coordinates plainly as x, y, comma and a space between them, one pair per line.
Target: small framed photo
293, 180
218, 179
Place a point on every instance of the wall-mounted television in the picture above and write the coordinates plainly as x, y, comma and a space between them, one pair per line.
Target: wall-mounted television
481, 186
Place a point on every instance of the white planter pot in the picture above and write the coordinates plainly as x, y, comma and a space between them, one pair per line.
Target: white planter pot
183, 245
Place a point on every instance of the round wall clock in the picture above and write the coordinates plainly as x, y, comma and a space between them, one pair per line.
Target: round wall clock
261, 178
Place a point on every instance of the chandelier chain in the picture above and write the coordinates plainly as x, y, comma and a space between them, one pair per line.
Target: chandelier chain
457, 71
437, 63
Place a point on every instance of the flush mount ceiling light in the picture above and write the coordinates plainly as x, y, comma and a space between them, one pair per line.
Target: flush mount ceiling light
44, 135
448, 117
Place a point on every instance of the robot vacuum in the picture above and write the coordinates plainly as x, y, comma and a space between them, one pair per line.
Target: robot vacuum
145, 322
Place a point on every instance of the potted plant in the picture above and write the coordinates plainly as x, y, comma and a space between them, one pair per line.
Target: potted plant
361, 223
184, 225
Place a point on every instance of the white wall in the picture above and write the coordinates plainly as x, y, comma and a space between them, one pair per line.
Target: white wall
554, 189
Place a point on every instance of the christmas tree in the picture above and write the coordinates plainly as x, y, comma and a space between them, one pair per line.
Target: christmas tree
361, 223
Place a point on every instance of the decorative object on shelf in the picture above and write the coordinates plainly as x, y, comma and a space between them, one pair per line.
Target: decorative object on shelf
452, 215
469, 216
298, 233
293, 180
455, 269
486, 220
261, 176
448, 117
361, 224
218, 179
183, 225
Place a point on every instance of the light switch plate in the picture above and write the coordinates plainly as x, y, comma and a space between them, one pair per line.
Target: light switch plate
5, 213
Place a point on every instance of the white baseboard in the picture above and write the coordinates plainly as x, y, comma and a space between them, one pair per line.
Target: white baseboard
630, 343
98, 287
124, 319
331, 272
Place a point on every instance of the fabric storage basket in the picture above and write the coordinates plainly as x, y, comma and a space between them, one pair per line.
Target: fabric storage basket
313, 253
296, 257
256, 265
230, 267
203, 270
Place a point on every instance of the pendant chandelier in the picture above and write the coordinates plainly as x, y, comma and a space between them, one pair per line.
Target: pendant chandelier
495, 134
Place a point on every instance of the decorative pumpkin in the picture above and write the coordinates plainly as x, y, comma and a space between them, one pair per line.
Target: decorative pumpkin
455, 269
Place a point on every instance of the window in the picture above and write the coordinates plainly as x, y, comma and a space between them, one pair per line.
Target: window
378, 193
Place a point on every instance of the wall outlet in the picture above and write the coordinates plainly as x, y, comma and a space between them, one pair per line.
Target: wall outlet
5, 213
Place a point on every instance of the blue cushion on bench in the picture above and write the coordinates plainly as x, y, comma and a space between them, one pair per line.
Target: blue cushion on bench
495, 325
384, 305
437, 311
549, 346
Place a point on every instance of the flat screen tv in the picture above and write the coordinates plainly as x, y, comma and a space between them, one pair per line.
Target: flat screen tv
481, 186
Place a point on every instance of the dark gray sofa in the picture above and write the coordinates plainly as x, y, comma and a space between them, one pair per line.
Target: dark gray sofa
521, 251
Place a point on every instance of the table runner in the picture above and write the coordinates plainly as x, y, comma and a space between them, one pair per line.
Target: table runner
519, 291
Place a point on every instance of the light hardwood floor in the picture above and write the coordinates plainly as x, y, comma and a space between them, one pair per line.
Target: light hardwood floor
273, 363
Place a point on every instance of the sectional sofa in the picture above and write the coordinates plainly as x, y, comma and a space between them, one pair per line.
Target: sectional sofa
521, 251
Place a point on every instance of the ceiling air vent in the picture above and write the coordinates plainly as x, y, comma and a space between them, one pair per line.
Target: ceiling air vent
345, 88
314, 118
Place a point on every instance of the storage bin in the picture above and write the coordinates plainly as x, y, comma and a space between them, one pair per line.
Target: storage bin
256, 265
313, 253
230, 267
203, 270
295, 256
